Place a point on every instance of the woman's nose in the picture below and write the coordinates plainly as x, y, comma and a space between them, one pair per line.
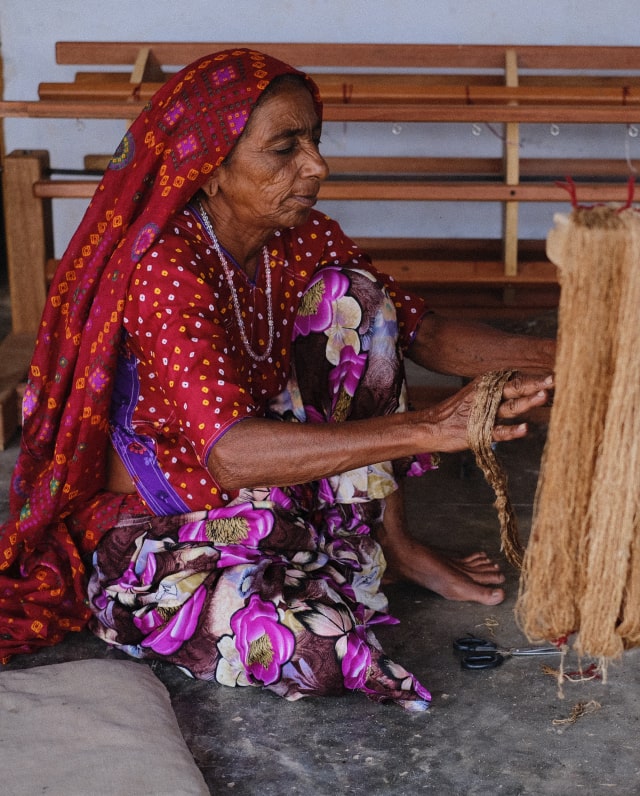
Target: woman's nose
314, 165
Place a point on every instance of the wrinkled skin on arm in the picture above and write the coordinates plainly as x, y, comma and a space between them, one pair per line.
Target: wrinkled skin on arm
300, 453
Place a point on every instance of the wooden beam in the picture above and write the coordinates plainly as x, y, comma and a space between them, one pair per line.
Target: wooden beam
540, 57
376, 89
463, 191
511, 151
373, 166
29, 237
146, 68
460, 272
345, 112
15, 355
400, 190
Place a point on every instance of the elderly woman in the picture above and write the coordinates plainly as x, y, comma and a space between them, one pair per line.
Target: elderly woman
215, 422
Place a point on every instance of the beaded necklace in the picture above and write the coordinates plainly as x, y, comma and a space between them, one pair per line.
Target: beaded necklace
236, 303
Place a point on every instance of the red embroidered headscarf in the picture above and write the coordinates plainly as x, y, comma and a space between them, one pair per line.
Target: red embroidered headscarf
168, 153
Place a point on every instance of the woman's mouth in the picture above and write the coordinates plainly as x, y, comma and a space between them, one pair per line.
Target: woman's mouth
307, 201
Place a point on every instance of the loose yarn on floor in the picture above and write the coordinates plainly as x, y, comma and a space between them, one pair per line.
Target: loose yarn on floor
581, 570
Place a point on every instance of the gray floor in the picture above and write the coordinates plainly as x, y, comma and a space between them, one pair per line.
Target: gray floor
487, 732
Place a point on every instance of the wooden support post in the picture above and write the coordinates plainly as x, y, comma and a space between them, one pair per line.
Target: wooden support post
146, 68
512, 174
15, 354
29, 237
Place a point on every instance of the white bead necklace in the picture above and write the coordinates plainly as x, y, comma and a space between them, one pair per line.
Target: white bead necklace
236, 303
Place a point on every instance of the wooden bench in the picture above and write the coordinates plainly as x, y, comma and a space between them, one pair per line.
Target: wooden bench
380, 84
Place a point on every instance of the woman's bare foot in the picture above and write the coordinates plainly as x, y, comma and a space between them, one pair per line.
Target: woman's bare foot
473, 578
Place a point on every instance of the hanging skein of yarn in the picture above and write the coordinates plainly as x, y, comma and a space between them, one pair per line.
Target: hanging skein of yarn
581, 570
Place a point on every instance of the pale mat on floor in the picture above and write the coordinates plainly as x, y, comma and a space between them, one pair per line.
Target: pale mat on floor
93, 727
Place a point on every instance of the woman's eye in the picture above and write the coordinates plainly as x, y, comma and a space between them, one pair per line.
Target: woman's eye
289, 148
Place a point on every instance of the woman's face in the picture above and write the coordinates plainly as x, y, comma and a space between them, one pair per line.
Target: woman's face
273, 176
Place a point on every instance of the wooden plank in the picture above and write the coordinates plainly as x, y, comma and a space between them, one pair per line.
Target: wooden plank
467, 191
347, 112
531, 250
477, 302
333, 87
477, 272
146, 68
510, 210
577, 167
445, 112
552, 80
377, 89
512, 129
564, 80
64, 189
15, 355
400, 190
51, 109
9, 415
29, 237
407, 89
300, 54
427, 261
543, 57
362, 166
97, 91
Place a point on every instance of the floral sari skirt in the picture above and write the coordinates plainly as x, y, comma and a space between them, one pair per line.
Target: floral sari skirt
281, 587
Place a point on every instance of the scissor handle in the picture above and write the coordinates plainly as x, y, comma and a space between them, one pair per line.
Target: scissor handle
482, 660
473, 644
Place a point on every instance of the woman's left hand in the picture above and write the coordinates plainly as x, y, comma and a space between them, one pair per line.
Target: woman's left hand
447, 422
520, 395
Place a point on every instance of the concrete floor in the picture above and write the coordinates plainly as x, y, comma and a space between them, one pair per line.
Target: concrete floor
487, 732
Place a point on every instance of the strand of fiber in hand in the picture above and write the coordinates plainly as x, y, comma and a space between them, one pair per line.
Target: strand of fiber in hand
581, 572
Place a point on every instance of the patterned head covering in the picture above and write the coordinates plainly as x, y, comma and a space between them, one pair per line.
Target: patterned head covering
169, 152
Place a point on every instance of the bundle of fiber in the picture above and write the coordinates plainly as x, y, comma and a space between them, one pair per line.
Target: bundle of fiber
581, 569
480, 434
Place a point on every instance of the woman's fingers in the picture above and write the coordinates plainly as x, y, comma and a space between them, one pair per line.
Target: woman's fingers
520, 384
505, 433
522, 393
519, 395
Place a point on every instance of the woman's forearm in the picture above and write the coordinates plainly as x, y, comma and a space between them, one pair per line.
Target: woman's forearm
464, 348
263, 452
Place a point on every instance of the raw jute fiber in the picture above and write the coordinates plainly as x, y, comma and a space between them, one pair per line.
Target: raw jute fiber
480, 429
581, 571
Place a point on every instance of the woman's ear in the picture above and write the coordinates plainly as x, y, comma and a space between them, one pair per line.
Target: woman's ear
210, 188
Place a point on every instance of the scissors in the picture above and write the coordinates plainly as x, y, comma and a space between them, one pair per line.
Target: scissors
479, 653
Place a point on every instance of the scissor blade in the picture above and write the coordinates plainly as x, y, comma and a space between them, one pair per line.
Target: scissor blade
535, 651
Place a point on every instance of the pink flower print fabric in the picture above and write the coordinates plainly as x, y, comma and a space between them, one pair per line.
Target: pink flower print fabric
279, 588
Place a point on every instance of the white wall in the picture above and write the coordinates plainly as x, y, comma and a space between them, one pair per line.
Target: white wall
30, 28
